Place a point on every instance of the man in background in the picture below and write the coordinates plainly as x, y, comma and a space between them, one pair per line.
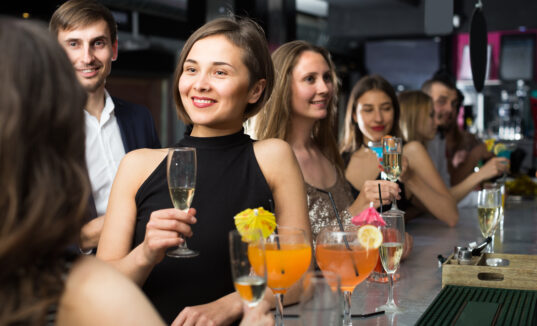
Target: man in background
87, 31
455, 152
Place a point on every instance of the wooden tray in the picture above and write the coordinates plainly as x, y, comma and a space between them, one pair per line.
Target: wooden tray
519, 273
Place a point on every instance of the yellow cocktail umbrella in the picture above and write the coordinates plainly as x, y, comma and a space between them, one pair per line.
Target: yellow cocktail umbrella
257, 218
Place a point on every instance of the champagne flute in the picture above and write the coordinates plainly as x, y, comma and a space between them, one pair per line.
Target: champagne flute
181, 184
288, 255
320, 301
489, 208
392, 152
247, 251
343, 253
391, 250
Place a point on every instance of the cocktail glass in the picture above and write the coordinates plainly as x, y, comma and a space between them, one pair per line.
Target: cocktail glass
244, 250
288, 254
342, 253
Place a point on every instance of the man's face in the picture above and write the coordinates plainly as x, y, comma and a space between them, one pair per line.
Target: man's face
445, 105
91, 52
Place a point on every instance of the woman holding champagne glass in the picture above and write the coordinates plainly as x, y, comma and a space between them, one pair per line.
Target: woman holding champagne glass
302, 111
223, 77
372, 113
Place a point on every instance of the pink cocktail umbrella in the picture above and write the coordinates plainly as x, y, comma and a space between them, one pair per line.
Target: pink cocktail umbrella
369, 216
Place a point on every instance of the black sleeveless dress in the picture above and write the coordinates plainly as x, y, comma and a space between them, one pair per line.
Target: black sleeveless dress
228, 181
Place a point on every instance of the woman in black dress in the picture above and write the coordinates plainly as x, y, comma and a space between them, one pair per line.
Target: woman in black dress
223, 77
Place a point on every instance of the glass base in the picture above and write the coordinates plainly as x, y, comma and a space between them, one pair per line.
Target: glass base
182, 253
390, 308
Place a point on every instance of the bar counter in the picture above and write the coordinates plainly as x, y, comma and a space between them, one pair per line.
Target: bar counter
421, 276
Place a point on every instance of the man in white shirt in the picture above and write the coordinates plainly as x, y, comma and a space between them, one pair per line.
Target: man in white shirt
87, 31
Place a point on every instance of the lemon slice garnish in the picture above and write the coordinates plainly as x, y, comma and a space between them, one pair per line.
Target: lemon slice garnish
498, 148
369, 236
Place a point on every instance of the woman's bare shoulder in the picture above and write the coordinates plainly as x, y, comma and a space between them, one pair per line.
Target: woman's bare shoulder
414, 147
272, 144
140, 163
273, 151
145, 156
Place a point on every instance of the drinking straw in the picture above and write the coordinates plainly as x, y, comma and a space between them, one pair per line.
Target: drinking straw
271, 204
341, 228
380, 198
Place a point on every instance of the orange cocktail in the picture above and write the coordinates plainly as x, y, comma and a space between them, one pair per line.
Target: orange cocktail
351, 252
285, 265
288, 254
339, 259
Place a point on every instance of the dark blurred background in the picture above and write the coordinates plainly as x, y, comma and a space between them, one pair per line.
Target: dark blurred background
406, 41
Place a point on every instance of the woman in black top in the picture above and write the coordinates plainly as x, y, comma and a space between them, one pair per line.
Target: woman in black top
224, 76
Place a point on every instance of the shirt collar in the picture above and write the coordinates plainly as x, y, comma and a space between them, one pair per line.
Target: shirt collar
108, 103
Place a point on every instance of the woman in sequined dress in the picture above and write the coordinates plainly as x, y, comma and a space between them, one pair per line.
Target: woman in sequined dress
302, 111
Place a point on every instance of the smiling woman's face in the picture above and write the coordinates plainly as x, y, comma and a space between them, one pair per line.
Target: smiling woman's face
374, 115
214, 85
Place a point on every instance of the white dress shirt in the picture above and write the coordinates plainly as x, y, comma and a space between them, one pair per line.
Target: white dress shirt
104, 151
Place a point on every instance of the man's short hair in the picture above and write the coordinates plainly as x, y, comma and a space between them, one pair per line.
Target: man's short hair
80, 13
443, 77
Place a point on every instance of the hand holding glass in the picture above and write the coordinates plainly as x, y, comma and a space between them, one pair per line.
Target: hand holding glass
248, 265
181, 171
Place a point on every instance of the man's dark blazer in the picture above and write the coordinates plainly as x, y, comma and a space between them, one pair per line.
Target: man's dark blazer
136, 125
137, 130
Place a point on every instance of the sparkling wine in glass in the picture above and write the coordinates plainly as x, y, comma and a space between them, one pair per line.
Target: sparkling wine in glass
248, 265
343, 253
181, 171
392, 152
391, 250
288, 254
489, 210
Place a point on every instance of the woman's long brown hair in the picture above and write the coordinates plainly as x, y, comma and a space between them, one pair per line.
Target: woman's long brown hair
44, 184
274, 121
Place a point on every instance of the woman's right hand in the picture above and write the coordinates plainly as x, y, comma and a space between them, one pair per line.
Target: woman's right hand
389, 190
494, 167
164, 230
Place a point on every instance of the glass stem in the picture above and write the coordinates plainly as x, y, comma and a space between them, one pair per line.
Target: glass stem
390, 301
182, 245
347, 308
394, 204
279, 309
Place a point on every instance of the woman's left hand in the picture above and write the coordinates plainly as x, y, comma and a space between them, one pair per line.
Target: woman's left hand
223, 311
389, 190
